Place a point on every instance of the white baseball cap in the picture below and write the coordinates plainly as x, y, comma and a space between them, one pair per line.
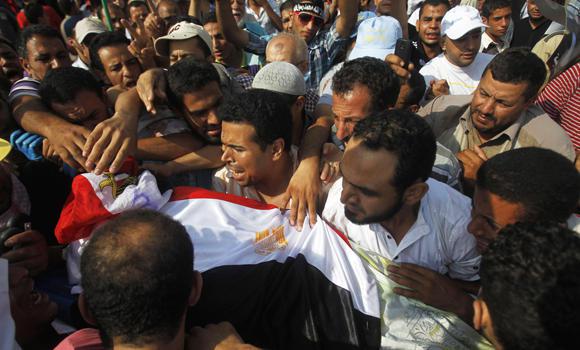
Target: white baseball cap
181, 31
86, 26
376, 37
281, 77
461, 20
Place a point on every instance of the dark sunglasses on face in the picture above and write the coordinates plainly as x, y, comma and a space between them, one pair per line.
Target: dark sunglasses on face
307, 18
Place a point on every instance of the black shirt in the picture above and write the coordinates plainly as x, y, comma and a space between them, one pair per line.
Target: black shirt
525, 36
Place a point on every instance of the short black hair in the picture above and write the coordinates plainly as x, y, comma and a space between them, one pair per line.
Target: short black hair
61, 85
66, 6
288, 5
433, 3
545, 183
491, 5
101, 40
137, 275
265, 110
530, 282
33, 11
188, 19
405, 134
375, 75
518, 65
36, 30
189, 75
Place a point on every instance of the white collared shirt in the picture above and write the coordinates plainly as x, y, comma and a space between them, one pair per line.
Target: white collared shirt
438, 240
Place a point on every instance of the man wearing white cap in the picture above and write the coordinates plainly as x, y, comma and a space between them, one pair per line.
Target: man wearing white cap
288, 81
85, 30
183, 40
458, 69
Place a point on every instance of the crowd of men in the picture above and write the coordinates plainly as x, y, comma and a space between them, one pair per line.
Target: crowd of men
440, 135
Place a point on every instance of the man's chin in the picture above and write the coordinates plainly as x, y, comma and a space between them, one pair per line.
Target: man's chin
352, 217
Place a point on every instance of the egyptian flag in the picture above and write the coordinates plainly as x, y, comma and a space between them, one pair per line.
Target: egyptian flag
280, 288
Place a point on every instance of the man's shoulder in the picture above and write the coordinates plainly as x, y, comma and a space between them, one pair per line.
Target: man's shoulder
444, 112
445, 205
484, 59
540, 130
24, 87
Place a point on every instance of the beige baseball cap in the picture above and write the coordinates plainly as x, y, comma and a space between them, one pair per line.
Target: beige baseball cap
87, 26
181, 31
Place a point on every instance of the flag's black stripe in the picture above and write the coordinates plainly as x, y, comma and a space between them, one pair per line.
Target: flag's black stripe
290, 305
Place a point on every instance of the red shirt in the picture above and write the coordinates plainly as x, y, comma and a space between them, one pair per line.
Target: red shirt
53, 18
561, 100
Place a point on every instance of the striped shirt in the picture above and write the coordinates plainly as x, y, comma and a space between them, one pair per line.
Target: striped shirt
24, 87
561, 101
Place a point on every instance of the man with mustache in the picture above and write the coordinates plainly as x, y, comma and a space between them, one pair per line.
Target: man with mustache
458, 69
496, 14
499, 116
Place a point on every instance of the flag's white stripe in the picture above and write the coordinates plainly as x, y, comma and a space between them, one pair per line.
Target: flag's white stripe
224, 233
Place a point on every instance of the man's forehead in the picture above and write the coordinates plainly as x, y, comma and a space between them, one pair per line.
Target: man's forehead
502, 90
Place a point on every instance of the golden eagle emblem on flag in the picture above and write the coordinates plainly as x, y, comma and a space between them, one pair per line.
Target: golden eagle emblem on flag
270, 240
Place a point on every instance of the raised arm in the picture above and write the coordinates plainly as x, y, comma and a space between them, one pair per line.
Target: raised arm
237, 36
66, 139
274, 17
199, 9
347, 19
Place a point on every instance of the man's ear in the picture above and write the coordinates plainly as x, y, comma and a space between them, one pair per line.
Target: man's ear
414, 193
300, 102
195, 288
84, 310
25, 65
278, 148
414, 108
484, 20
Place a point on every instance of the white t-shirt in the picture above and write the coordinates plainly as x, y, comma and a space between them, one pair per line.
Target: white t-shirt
438, 240
461, 80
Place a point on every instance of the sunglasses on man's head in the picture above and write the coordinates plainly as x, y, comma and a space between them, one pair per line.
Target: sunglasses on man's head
307, 18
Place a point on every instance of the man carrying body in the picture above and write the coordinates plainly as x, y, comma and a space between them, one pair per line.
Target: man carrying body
388, 206
368, 85
256, 141
42, 48
496, 14
510, 188
458, 69
138, 298
499, 116
530, 273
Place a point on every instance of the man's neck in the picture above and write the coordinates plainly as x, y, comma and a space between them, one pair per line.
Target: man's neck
431, 51
235, 60
272, 188
535, 23
494, 38
401, 222
178, 343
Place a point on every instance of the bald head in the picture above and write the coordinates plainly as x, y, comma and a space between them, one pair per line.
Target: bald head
288, 47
